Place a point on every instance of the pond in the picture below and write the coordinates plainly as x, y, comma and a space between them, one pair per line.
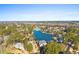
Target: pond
38, 35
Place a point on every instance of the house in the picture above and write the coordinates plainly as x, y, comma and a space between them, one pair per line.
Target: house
41, 43
19, 45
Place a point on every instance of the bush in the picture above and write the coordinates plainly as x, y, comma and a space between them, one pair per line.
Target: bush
52, 48
29, 47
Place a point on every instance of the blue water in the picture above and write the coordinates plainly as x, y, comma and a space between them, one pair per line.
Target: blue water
38, 35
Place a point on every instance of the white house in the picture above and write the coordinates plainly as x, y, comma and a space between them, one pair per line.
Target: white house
19, 45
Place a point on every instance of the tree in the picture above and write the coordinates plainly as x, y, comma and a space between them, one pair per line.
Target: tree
2, 29
25, 41
71, 34
30, 28
15, 36
52, 48
29, 47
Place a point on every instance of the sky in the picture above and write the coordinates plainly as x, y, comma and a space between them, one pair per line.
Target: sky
39, 12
